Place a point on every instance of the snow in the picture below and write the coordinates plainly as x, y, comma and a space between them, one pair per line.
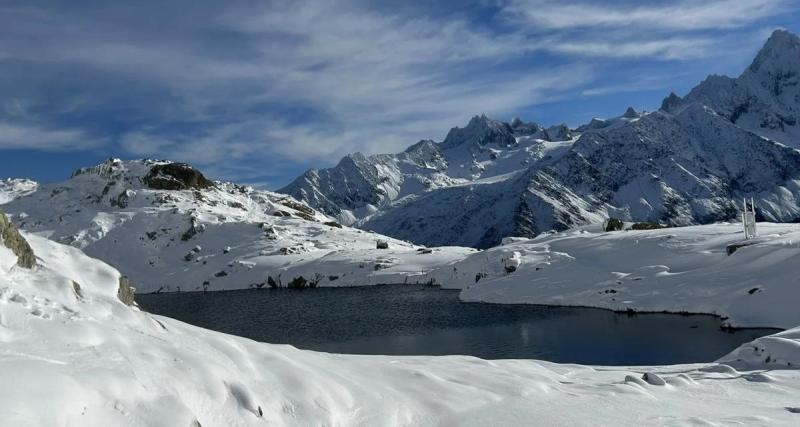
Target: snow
152, 237
681, 269
11, 189
86, 359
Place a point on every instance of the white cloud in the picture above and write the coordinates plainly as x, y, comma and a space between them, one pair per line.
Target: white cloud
675, 15
30, 137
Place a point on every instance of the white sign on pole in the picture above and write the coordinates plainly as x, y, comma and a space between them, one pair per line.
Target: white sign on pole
749, 219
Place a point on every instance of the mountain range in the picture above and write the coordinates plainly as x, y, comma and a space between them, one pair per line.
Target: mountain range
690, 162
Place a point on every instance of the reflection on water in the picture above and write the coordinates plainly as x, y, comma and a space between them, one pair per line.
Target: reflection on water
413, 320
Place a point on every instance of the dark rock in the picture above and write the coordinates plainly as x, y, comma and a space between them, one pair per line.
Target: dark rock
333, 224
733, 247
10, 238
303, 211
289, 250
646, 226
613, 224
122, 200
176, 176
194, 228
382, 244
76, 287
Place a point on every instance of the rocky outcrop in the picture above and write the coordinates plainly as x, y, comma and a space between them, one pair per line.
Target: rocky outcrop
613, 224
125, 293
176, 176
10, 238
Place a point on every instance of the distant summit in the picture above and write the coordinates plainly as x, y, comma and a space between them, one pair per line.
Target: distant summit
688, 163
765, 98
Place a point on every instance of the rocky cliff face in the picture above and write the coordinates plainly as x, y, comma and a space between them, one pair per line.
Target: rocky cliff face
10, 238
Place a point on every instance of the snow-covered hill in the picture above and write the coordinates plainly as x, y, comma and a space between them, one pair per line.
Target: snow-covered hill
167, 227
688, 163
71, 353
696, 269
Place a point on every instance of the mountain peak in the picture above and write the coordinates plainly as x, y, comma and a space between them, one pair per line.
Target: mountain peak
480, 130
670, 102
630, 113
780, 52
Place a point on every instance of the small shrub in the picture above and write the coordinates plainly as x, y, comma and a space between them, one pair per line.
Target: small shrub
298, 282
646, 226
612, 224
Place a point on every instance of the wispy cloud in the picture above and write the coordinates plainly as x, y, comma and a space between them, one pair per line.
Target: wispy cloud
230, 84
31, 137
672, 15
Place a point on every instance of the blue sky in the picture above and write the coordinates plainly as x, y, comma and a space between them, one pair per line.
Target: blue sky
257, 92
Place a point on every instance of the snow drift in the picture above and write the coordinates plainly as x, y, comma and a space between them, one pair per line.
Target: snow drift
71, 353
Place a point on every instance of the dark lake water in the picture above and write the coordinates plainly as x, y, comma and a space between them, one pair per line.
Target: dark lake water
413, 320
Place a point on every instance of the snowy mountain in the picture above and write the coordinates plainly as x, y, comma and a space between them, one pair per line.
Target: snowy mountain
167, 227
764, 99
689, 163
73, 353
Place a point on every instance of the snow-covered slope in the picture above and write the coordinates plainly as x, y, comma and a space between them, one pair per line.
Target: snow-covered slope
688, 163
168, 228
11, 189
75, 355
697, 269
